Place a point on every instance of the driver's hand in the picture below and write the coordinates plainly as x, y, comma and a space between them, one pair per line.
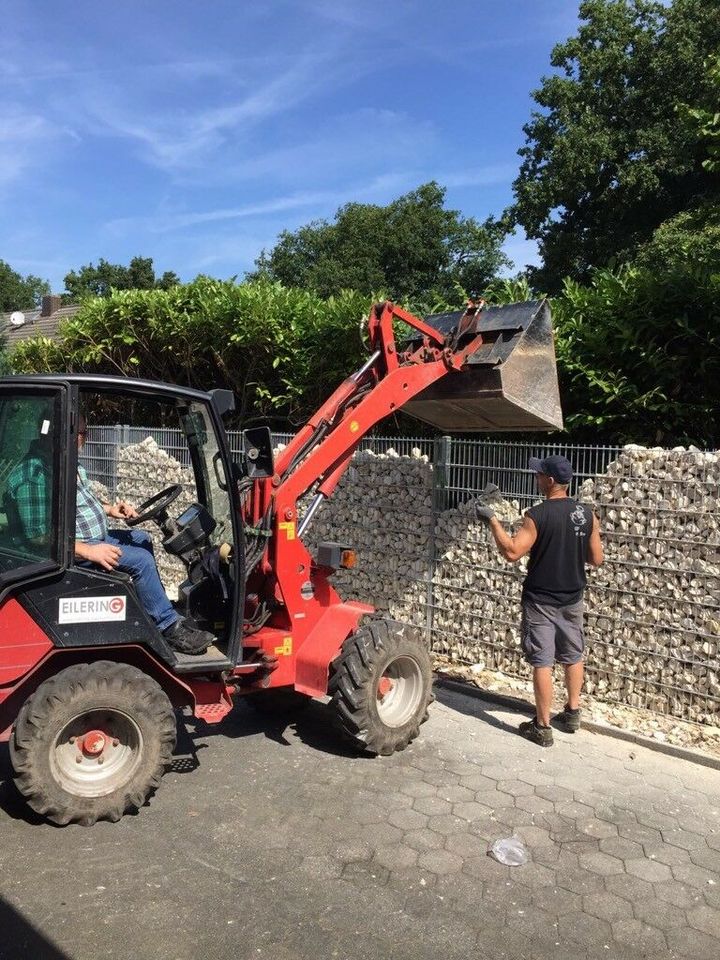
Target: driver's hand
122, 511
106, 555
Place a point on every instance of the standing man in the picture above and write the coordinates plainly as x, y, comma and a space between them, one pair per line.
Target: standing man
561, 536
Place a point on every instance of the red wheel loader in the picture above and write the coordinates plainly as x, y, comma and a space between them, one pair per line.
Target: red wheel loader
89, 687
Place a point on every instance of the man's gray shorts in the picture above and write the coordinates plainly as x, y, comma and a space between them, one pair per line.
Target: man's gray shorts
552, 634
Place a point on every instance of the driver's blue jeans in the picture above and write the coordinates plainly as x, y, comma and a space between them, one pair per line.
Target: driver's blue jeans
138, 560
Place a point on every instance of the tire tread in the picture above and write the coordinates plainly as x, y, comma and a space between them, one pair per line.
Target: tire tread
352, 683
30, 738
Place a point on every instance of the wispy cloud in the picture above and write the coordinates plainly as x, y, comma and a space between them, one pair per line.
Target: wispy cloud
381, 188
337, 148
167, 222
483, 176
181, 140
240, 251
58, 70
41, 267
241, 120
21, 135
349, 13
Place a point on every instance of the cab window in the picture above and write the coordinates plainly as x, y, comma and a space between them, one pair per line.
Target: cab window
212, 482
29, 431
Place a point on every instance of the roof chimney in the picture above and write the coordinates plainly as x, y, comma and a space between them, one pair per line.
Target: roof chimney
50, 303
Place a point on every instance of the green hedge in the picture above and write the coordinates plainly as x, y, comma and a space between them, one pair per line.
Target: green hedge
638, 353
280, 350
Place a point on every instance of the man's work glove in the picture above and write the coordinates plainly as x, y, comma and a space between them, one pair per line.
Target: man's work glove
483, 512
491, 493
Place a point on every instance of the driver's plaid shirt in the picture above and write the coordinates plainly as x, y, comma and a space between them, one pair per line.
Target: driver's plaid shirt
29, 486
91, 520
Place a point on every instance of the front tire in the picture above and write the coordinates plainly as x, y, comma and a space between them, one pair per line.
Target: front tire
381, 686
92, 743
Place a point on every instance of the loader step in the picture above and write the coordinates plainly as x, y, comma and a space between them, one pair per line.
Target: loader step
213, 660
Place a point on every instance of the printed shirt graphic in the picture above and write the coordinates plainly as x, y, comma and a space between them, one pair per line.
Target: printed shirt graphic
91, 520
579, 521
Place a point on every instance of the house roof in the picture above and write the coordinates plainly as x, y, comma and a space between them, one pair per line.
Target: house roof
35, 325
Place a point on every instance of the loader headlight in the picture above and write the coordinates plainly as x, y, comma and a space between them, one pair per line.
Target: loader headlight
334, 555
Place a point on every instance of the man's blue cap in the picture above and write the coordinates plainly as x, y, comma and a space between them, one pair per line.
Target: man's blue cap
559, 468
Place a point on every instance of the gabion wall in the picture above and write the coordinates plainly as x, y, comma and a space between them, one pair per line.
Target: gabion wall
144, 469
653, 608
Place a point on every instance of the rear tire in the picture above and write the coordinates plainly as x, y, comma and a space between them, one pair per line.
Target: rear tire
92, 743
381, 686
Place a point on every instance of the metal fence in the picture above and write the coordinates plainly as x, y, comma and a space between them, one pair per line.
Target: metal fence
101, 452
653, 608
468, 465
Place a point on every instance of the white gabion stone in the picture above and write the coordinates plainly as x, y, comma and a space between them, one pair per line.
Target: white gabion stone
144, 469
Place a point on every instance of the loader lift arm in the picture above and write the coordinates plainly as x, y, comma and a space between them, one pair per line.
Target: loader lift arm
321, 451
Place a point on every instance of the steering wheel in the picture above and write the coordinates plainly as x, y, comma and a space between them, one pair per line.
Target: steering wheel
153, 508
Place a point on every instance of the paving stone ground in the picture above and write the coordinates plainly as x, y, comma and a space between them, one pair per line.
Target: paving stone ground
267, 841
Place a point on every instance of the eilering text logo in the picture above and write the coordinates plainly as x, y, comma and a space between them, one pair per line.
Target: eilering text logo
92, 609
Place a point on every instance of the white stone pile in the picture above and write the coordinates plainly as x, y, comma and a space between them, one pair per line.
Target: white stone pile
653, 624
654, 607
382, 508
145, 469
477, 594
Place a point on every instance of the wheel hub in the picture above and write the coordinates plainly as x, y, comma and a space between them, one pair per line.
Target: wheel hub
399, 691
384, 687
96, 752
93, 743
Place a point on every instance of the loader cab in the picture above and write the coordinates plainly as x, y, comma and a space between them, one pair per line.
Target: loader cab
160, 447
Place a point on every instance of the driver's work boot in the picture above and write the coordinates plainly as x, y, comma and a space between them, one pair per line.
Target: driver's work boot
186, 639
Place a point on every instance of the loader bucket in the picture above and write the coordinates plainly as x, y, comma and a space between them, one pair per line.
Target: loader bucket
510, 383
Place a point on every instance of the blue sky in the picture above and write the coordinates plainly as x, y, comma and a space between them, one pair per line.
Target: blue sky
195, 132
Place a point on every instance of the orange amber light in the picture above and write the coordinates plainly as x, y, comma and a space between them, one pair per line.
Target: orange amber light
348, 559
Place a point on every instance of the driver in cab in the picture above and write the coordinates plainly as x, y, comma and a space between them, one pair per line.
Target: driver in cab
131, 552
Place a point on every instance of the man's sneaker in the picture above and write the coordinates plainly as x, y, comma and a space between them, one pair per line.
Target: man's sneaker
532, 730
568, 719
186, 639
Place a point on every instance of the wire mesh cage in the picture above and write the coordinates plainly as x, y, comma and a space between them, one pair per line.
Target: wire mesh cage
653, 608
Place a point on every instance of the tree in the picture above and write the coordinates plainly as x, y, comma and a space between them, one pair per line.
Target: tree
608, 156
691, 237
18, 292
639, 355
98, 281
5, 366
412, 248
707, 117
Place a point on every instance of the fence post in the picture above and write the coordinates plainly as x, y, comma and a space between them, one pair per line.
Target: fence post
122, 439
442, 447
